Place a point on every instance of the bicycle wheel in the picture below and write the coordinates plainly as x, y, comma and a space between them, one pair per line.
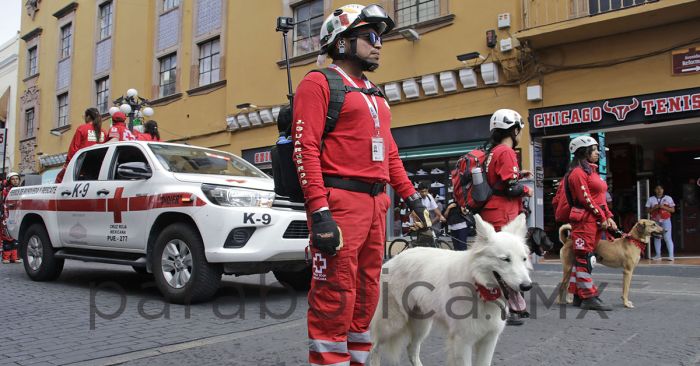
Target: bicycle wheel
397, 246
444, 245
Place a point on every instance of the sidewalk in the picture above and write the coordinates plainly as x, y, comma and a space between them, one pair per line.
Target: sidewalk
683, 261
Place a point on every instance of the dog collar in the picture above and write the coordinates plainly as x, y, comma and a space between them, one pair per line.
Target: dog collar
638, 243
488, 294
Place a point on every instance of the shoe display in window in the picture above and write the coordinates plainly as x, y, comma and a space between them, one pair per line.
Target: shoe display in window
436, 185
437, 171
421, 172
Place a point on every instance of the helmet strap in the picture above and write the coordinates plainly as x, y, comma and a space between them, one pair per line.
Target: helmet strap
364, 64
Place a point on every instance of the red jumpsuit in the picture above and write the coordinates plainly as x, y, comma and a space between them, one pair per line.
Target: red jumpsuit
588, 191
499, 210
146, 137
345, 287
84, 137
120, 131
9, 244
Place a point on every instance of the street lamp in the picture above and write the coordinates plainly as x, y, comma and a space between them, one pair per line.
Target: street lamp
133, 106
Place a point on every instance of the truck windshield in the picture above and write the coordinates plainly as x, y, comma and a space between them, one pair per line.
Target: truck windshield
185, 159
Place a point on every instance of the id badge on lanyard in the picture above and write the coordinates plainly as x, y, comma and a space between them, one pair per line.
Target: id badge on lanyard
377, 141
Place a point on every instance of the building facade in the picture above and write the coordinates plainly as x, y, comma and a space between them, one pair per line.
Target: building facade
9, 59
214, 73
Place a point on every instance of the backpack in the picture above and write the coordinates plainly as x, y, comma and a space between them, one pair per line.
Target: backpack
462, 179
563, 201
284, 171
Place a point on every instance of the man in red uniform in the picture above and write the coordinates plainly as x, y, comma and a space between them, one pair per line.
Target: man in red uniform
9, 244
343, 175
589, 217
86, 135
119, 129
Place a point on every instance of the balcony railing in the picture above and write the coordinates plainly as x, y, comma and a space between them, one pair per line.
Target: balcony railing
537, 13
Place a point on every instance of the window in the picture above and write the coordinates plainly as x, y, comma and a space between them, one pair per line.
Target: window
308, 19
196, 160
170, 4
32, 61
89, 163
415, 11
126, 154
29, 122
602, 6
105, 20
209, 62
168, 74
102, 88
66, 40
63, 110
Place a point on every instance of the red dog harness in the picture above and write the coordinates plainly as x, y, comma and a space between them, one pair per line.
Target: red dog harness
638, 243
488, 294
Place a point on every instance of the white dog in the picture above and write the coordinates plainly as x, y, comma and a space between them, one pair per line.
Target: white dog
463, 291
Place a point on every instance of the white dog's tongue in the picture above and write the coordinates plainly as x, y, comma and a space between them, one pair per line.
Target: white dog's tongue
515, 301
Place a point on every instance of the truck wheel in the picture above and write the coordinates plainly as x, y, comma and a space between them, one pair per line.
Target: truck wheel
38, 255
298, 280
180, 267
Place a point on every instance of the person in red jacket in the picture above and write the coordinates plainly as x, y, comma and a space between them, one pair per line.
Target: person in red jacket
589, 217
346, 203
119, 130
9, 244
84, 136
150, 132
503, 175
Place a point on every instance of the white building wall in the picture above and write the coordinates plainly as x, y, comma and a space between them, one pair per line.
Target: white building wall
9, 57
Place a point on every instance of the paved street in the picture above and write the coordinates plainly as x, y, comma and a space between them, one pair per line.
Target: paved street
52, 323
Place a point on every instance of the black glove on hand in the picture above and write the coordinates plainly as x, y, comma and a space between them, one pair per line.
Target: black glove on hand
325, 233
416, 205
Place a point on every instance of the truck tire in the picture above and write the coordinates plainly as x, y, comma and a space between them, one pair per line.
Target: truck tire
38, 255
298, 280
180, 267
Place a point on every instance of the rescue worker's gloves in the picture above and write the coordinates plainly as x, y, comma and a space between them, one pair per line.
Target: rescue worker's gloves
416, 205
325, 233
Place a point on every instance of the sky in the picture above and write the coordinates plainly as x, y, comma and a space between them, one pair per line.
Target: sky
10, 17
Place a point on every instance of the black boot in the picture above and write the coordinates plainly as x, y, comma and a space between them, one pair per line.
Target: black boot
514, 319
577, 301
594, 303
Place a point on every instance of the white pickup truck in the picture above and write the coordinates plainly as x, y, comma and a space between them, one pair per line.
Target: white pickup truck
183, 213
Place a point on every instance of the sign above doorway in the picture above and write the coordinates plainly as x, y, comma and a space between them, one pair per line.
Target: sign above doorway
686, 62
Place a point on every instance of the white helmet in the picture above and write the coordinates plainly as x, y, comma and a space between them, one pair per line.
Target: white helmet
505, 119
581, 141
352, 16
12, 174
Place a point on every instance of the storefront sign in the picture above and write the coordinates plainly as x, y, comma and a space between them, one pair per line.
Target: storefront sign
646, 108
686, 61
262, 157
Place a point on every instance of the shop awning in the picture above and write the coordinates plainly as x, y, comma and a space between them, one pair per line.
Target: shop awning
439, 151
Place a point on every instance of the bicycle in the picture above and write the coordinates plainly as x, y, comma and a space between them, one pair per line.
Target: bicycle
398, 245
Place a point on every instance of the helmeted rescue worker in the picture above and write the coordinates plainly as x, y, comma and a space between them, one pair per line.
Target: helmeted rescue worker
150, 132
589, 217
9, 244
84, 136
503, 175
119, 129
343, 176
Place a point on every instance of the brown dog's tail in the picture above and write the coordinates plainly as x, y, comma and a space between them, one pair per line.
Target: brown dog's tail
562, 233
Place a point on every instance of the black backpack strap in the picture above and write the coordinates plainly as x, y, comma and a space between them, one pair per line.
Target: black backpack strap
336, 99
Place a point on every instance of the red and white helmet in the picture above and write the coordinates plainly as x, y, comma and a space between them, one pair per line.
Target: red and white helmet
581, 141
12, 174
505, 119
352, 16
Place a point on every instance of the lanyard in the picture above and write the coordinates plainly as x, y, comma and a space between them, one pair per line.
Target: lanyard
371, 105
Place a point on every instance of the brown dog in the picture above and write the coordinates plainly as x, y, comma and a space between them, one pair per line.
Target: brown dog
620, 253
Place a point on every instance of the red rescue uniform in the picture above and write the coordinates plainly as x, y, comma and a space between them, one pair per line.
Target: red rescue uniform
121, 132
502, 168
146, 137
345, 287
588, 191
84, 137
9, 244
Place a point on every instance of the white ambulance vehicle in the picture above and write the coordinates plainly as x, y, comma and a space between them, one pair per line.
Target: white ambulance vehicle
185, 214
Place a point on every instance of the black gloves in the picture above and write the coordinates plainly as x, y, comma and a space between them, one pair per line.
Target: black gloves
325, 233
515, 189
416, 205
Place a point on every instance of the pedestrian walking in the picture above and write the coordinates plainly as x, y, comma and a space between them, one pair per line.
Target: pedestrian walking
457, 225
88, 134
660, 207
345, 199
589, 217
9, 244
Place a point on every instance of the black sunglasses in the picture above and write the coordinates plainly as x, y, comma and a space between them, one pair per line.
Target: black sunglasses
371, 37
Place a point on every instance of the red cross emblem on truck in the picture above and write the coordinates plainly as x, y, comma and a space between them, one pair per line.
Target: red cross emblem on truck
118, 204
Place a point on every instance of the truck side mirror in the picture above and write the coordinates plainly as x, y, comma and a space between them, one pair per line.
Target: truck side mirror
134, 170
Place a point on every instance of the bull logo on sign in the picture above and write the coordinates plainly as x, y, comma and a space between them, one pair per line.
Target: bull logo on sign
621, 111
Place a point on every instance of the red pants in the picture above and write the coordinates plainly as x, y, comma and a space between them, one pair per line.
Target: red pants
345, 288
498, 217
9, 250
585, 236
